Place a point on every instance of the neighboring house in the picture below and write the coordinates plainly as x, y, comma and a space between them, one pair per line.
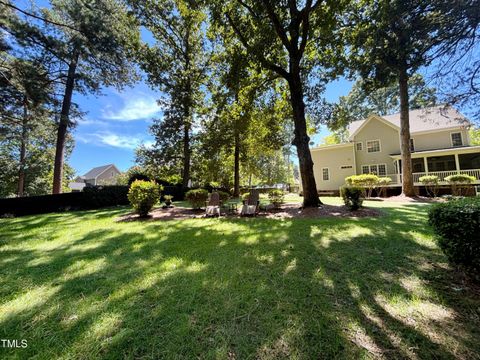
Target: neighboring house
101, 175
440, 146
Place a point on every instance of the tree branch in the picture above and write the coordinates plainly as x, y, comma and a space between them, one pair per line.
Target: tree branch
266, 63
37, 17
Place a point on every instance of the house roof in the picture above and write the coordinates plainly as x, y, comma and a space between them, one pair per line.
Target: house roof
92, 174
428, 119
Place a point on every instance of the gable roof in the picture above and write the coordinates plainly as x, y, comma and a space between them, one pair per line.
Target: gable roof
92, 174
428, 119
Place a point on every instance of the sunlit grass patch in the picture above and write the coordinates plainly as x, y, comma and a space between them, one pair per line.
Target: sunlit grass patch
82, 285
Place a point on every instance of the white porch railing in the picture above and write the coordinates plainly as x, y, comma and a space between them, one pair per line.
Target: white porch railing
397, 178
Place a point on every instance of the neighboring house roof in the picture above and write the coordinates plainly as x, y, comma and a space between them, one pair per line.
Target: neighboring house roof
421, 120
95, 172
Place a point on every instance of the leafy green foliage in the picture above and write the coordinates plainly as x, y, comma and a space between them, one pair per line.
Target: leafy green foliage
197, 198
431, 184
276, 197
352, 196
460, 179
143, 195
460, 183
368, 182
176, 63
224, 196
457, 225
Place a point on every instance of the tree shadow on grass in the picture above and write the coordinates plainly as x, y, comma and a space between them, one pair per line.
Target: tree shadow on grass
245, 288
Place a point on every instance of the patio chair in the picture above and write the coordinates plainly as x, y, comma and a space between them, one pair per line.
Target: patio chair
213, 205
251, 205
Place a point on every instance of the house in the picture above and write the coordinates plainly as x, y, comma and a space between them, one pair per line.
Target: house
439, 142
101, 175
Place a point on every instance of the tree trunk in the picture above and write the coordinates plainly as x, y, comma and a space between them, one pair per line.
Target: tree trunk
301, 141
407, 177
63, 125
23, 146
236, 166
186, 154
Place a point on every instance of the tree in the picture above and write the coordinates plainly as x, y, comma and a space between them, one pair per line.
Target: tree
176, 64
88, 43
359, 103
27, 127
390, 40
288, 38
458, 71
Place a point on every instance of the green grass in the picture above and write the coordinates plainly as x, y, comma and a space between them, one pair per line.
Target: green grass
80, 285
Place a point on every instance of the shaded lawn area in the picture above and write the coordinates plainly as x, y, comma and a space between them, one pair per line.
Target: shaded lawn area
81, 285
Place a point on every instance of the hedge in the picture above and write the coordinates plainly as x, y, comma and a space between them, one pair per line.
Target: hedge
90, 198
457, 226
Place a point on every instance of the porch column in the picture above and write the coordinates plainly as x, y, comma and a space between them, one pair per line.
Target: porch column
457, 164
425, 164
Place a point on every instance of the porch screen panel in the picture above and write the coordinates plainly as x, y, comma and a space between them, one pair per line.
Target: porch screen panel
441, 163
469, 161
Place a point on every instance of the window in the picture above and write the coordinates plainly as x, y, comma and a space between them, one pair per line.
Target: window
325, 174
377, 169
373, 146
343, 167
456, 139
412, 145
359, 146
382, 170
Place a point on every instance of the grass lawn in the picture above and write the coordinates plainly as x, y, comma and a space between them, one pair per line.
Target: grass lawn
81, 286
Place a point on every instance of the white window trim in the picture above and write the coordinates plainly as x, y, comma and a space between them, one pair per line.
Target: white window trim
328, 172
451, 139
377, 165
361, 146
386, 169
379, 146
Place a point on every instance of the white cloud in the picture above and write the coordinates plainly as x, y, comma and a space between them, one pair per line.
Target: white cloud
134, 108
114, 140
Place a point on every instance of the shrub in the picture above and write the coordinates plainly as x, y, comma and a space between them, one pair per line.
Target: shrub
431, 184
383, 182
93, 197
245, 196
276, 197
459, 183
224, 196
143, 195
457, 226
197, 197
352, 196
366, 181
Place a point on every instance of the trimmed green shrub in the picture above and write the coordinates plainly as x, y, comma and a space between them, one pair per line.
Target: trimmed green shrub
224, 196
366, 181
459, 183
352, 197
92, 197
197, 198
382, 183
276, 197
457, 226
143, 195
431, 184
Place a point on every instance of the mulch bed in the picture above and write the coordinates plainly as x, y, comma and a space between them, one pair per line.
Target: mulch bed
288, 211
